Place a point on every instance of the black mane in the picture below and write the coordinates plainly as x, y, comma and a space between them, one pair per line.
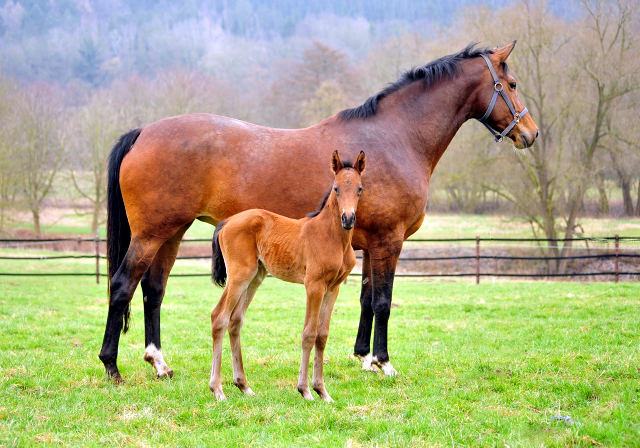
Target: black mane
345, 164
446, 66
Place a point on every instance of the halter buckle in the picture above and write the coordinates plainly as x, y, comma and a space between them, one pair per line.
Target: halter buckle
495, 86
516, 117
499, 138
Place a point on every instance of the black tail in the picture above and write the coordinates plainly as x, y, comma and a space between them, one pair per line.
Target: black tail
118, 230
218, 268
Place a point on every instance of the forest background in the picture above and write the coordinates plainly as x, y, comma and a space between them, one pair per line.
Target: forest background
76, 74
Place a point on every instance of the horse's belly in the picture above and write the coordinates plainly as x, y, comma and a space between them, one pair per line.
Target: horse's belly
285, 271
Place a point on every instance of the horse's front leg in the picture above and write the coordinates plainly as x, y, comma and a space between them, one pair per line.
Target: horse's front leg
383, 259
315, 294
324, 321
362, 348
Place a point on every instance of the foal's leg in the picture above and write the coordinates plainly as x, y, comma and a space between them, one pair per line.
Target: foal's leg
235, 326
363, 340
153, 285
315, 294
123, 284
324, 320
237, 284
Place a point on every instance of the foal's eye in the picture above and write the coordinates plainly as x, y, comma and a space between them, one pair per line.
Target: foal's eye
512, 85
359, 190
336, 190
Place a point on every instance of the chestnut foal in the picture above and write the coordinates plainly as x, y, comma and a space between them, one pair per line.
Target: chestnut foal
315, 250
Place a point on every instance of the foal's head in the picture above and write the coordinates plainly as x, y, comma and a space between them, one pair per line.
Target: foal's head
347, 187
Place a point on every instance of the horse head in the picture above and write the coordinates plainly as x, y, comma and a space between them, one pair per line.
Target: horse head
347, 186
507, 117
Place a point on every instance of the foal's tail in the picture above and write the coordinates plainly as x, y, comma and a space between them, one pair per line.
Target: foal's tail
218, 268
118, 230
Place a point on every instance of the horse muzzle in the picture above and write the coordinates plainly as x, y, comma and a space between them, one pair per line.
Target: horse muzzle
348, 221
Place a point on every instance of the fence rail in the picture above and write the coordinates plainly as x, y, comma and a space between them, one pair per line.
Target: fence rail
609, 253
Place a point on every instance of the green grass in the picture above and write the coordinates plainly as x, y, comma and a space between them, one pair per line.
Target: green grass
486, 365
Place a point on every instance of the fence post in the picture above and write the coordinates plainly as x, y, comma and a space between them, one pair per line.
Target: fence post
97, 258
617, 257
477, 260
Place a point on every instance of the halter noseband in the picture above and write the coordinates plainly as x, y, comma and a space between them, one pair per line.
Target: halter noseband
499, 136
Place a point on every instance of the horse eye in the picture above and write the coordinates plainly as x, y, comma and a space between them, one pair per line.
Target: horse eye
336, 190
359, 190
512, 85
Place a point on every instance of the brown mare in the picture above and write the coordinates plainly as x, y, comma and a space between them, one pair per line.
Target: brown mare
315, 250
165, 175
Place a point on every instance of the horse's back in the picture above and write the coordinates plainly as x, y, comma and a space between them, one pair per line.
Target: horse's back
192, 166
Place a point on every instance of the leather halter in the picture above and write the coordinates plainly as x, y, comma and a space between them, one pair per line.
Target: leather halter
498, 90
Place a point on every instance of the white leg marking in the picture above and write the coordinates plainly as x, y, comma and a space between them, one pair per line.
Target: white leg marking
366, 363
386, 367
153, 356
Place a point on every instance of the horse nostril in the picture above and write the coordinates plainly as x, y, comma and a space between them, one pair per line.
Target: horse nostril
348, 221
537, 132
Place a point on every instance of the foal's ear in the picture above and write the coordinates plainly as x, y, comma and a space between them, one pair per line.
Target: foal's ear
504, 52
336, 163
360, 162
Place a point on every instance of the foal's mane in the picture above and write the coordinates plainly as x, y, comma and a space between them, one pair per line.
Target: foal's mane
345, 164
431, 73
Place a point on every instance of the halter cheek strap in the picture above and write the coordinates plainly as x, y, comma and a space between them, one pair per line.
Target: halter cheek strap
498, 90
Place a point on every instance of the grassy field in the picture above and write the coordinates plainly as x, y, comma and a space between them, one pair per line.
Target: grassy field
486, 365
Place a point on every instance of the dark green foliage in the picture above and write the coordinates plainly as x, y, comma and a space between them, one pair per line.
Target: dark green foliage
88, 65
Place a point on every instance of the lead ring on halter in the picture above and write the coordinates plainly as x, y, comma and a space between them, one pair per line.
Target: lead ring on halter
498, 90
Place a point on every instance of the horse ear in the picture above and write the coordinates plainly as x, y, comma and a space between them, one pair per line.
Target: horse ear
360, 162
504, 52
336, 163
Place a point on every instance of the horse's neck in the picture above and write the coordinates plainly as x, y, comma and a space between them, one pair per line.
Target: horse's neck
431, 119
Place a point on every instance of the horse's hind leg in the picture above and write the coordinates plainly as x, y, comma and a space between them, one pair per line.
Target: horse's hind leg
153, 285
237, 284
123, 284
235, 327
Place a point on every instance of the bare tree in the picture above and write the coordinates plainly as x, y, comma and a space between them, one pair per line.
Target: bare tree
603, 73
321, 64
7, 151
39, 144
98, 125
572, 78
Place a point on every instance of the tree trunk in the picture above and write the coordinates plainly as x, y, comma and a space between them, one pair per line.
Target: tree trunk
604, 201
95, 220
638, 200
36, 221
625, 184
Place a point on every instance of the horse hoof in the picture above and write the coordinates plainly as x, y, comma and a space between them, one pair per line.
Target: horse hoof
164, 373
367, 363
306, 394
388, 369
327, 398
248, 392
154, 357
